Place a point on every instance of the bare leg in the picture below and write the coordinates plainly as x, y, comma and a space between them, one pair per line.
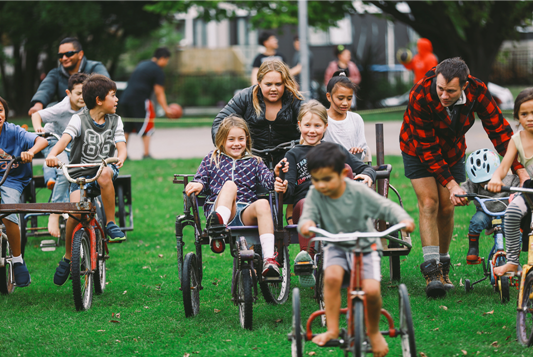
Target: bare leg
53, 225
13, 236
372, 289
259, 213
445, 219
428, 201
146, 143
71, 224
333, 276
227, 198
105, 181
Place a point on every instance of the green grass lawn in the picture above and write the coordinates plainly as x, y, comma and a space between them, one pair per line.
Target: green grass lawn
143, 294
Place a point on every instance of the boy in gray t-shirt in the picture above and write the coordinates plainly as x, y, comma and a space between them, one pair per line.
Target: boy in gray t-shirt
341, 205
56, 119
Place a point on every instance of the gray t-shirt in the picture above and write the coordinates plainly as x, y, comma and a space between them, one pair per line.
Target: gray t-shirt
354, 211
56, 118
92, 142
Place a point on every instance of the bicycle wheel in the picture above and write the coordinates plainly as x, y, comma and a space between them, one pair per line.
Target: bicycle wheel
297, 338
524, 318
82, 277
100, 273
503, 288
7, 285
277, 292
407, 331
190, 286
319, 290
246, 299
358, 313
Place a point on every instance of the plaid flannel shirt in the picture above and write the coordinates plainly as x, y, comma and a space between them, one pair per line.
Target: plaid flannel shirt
429, 133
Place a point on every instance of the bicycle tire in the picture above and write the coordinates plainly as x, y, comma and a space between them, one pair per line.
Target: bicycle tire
82, 276
524, 317
503, 288
190, 286
407, 331
358, 313
100, 275
297, 338
246, 299
319, 290
277, 293
120, 204
7, 284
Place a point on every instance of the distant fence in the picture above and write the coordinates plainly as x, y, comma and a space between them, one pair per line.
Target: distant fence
513, 68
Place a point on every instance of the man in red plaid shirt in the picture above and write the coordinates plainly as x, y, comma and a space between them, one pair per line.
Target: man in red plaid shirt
432, 139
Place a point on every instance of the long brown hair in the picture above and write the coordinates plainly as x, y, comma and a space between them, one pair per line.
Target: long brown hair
286, 78
524, 96
313, 107
230, 122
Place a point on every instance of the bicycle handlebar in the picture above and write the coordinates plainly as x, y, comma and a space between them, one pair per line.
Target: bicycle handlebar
481, 199
517, 189
48, 134
282, 146
8, 167
354, 236
104, 163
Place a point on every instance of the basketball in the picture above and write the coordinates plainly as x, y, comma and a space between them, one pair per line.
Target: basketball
176, 111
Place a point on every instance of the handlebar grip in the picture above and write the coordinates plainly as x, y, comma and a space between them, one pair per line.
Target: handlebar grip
18, 159
281, 173
506, 189
111, 160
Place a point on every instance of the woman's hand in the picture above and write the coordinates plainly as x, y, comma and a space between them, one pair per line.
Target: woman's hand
285, 164
356, 150
366, 179
280, 186
193, 187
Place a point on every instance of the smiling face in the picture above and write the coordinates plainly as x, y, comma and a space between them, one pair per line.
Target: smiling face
109, 105
235, 143
525, 115
69, 62
340, 99
76, 97
328, 182
448, 92
312, 129
272, 87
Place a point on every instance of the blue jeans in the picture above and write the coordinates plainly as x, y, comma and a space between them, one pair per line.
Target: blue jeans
479, 222
60, 193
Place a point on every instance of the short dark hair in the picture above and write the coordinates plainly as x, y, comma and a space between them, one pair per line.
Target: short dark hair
162, 52
6, 107
96, 86
452, 68
524, 96
296, 38
76, 78
340, 78
75, 42
326, 154
265, 35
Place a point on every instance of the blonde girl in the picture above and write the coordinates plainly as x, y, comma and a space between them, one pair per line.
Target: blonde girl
521, 148
229, 177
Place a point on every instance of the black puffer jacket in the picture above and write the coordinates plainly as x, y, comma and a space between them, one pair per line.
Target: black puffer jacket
265, 133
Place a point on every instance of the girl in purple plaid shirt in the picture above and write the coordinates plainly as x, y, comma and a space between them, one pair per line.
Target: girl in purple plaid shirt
229, 177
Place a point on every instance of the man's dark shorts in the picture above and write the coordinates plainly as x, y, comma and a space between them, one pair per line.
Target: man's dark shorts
139, 110
415, 169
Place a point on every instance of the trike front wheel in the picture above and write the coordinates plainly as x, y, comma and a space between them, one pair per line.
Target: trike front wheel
82, 277
407, 331
358, 320
7, 285
245, 298
524, 318
297, 338
190, 286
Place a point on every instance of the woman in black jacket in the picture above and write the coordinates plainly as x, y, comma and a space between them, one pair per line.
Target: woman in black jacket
270, 108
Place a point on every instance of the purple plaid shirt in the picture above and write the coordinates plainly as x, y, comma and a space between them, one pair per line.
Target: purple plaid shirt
247, 173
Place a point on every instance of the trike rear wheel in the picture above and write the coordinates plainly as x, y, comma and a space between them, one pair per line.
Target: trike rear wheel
245, 298
7, 285
524, 318
407, 331
190, 286
82, 277
277, 292
297, 338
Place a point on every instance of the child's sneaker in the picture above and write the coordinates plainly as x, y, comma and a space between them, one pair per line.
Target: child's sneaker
22, 275
307, 280
62, 272
50, 184
214, 219
114, 232
270, 268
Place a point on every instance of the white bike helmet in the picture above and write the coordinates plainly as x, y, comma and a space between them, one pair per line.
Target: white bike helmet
481, 165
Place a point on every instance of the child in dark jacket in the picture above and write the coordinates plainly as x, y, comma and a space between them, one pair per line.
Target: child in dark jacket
229, 177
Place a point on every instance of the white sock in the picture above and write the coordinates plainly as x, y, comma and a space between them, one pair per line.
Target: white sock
444, 256
431, 252
224, 212
267, 245
17, 260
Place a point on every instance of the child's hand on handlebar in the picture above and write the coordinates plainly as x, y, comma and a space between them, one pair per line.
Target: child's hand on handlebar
285, 164
39, 129
410, 225
365, 179
495, 184
304, 230
26, 157
193, 187
280, 186
119, 163
52, 161
356, 150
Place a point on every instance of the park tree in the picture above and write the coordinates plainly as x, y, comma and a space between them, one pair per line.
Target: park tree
473, 30
34, 29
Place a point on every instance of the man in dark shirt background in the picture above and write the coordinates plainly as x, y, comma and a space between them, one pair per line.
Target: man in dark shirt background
268, 40
135, 102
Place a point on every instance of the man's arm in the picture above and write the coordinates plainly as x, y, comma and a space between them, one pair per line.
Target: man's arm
45, 92
161, 98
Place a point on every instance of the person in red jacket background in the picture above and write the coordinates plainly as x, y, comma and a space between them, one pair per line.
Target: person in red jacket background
423, 61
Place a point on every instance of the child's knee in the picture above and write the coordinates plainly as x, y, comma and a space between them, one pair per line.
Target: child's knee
230, 185
106, 177
332, 278
262, 206
372, 290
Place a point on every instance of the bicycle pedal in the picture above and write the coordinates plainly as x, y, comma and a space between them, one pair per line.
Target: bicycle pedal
48, 245
475, 262
115, 241
303, 268
272, 279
